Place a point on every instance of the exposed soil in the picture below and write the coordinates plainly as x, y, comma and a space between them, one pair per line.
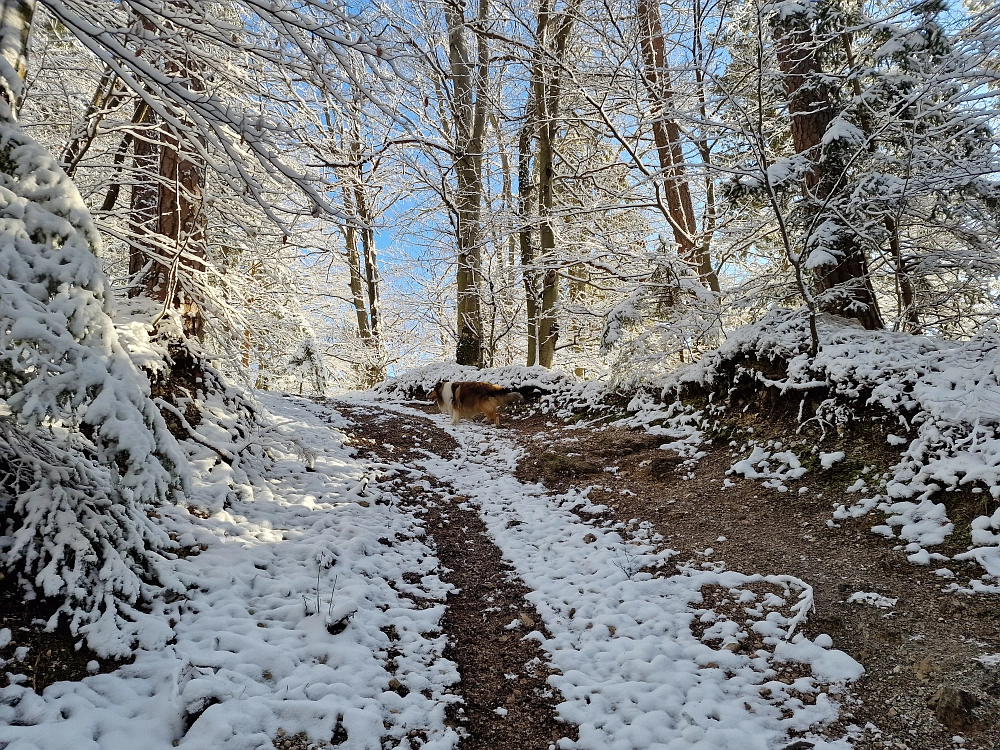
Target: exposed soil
35, 657
506, 701
923, 687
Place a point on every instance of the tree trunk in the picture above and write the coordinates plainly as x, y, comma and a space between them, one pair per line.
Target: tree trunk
547, 93
527, 208
811, 109
469, 104
354, 269
15, 26
106, 96
144, 201
908, 316
667, 137
181, 219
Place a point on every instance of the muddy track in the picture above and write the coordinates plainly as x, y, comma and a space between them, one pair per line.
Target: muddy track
506, 701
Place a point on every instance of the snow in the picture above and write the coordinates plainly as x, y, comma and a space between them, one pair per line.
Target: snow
774, 466
827, 460
632, 673
288, 554
872, 599
944, 395
82, 425
295, 579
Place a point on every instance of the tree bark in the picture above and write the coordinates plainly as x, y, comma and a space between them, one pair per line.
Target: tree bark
106, 96
811, 108
551, 38
181, 221
469, 104
667, 138
354, 270
527, 209
15, 26
144, 200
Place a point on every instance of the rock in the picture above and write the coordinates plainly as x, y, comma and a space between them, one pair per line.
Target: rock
924, 668
590, 539
800, 745
662, 467
953, 706
526, 620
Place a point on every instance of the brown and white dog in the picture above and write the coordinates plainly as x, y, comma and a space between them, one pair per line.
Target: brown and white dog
467, 398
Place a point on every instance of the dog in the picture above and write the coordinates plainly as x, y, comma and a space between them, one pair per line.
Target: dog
467, 399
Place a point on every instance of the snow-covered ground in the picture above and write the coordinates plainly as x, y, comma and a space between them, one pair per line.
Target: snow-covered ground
633, 674
285, 558
297, 583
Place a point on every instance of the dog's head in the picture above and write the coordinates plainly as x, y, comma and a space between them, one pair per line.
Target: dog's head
436, 393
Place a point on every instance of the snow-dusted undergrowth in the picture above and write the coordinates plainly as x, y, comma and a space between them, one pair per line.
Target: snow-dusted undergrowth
83, 450
943, 395
294, 587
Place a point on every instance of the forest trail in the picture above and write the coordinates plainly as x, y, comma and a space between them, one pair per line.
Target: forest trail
923, 687
506, 702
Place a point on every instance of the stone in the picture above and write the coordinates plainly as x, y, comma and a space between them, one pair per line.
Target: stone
953, 707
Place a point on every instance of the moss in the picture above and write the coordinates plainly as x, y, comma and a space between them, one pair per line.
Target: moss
562, 466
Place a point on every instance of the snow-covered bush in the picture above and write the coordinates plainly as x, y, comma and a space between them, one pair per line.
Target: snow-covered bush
83, 450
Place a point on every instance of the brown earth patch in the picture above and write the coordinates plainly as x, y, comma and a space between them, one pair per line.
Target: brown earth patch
919, 655
51, 656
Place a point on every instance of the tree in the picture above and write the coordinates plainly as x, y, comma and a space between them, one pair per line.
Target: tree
83, 450
843, 285
469, 111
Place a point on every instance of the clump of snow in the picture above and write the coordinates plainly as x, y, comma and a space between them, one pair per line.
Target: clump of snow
872, 599
945, 395
827, 460
773, 466
989, 660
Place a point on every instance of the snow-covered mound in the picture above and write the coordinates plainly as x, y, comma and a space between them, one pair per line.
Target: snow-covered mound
294, 602
558, 386
941, 400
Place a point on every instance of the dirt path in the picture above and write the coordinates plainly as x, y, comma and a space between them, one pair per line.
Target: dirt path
924, 687
506, 702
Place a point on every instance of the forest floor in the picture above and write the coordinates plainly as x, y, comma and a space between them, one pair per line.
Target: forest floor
551, 583
932, 674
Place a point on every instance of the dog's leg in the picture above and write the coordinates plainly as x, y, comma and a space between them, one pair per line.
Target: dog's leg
455, 416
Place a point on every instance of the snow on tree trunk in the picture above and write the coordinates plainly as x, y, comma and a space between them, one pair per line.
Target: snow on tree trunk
82, 447
843, 286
